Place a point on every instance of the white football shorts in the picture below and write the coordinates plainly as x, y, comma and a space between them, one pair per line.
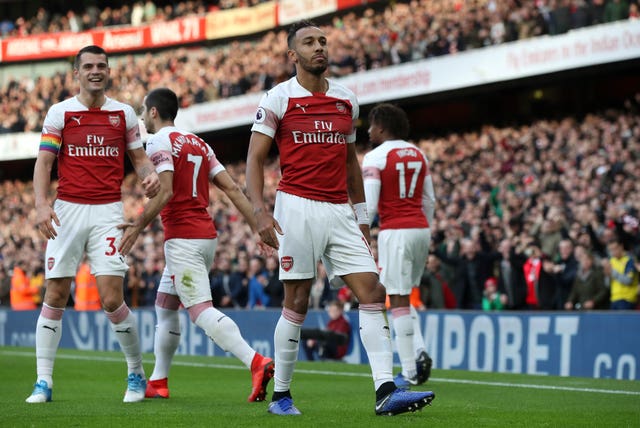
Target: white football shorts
315, 230
186, 272
86, 228
402, 254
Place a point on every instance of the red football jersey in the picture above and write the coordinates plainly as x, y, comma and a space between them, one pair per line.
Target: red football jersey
403, 172
90, 145
192, 162
311, 131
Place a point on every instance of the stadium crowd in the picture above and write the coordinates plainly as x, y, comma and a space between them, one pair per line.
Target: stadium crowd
526, 208
402, 32
536, 209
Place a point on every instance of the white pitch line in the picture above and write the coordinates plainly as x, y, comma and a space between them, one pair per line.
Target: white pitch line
533, 386
352, 374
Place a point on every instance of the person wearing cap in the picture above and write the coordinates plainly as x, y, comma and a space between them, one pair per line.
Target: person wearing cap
492, 300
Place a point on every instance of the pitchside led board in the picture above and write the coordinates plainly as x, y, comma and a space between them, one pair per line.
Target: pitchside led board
599, 345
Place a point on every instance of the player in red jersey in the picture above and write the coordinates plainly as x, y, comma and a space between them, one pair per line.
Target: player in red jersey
89, 135
398, 187
186, 164
312, 120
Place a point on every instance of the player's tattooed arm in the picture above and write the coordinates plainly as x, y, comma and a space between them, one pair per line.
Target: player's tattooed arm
146, 171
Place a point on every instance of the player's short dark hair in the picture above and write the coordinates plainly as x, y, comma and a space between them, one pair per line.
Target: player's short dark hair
165, 101
295, 27
94, 49
392, 119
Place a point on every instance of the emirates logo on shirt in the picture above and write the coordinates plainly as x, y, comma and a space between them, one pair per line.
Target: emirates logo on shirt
50, 263
287, 263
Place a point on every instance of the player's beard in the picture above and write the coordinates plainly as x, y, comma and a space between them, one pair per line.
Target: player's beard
316, 70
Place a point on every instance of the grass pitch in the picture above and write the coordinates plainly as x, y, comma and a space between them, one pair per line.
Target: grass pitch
212, 391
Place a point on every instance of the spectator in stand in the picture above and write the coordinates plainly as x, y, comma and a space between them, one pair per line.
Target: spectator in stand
321, 292
36, 281
151, 276
473, 267
531, 268
87, 297
549, 230
434, 290
548, 284
220, 281
616, 10
24, 296
150, 11
511, 280
239, 282
274, 287
623, 277
134, 291
5, 287
492, 299
565, 270
258, 281
332, 342
137, 14
589, 291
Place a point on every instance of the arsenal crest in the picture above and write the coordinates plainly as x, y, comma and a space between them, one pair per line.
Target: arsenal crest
50, 262
114, 120
341, 107
287, 263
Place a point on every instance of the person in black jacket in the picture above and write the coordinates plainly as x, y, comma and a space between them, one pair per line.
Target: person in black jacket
511, 274
565, 269
473, 266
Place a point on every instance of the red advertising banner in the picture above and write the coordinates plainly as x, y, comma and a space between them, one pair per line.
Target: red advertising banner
214, 25
120, 39
344, 4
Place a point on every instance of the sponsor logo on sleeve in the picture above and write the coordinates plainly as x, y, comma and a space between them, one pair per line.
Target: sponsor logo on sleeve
261, 115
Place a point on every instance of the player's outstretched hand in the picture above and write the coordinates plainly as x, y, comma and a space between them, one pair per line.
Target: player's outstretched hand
129, 236
264, 249
151, 185
267, 228
44, 216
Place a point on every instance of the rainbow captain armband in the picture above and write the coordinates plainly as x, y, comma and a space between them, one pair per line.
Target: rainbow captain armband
50, 143
362, 216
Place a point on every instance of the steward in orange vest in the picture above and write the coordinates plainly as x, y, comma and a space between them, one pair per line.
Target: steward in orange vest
87, 297
22, 295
